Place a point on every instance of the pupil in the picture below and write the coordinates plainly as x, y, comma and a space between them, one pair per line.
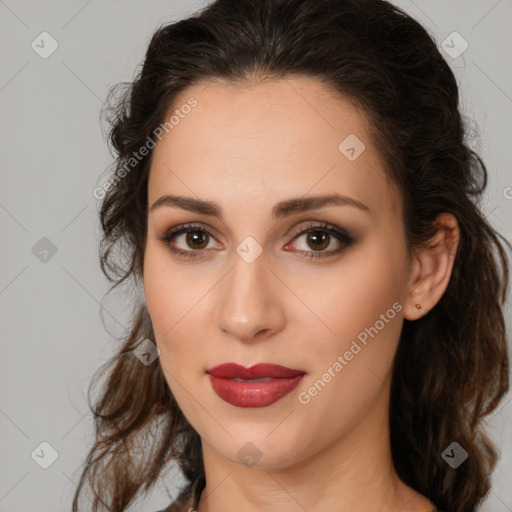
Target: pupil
195, 238
318, 237
322, 236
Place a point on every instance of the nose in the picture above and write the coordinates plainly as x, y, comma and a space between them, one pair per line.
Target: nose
249, 305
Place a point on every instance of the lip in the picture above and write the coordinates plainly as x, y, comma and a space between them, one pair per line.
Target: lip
279, 381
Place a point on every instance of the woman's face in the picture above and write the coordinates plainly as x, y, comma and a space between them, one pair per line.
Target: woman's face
264, 280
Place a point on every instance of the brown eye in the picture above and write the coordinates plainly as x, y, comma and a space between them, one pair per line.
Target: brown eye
196, 239
319, 237
319, 240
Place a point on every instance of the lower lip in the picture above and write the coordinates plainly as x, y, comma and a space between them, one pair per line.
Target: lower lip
253, 394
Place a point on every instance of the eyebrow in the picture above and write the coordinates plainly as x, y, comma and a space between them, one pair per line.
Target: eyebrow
280, 210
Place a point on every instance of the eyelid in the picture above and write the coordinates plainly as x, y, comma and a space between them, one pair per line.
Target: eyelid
292, 232
344, 238
320, 225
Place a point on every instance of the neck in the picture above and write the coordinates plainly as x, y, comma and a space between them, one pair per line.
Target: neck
354, 473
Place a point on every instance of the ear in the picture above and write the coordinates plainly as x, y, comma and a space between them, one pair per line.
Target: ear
432, 268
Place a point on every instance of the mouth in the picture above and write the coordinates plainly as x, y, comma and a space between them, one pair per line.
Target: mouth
258, 386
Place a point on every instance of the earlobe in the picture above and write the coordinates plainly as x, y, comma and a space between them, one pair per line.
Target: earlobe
432, 268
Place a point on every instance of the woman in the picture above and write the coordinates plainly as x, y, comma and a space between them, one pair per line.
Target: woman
296, 203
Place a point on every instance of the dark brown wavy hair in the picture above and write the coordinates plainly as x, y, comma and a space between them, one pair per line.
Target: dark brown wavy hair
451, 366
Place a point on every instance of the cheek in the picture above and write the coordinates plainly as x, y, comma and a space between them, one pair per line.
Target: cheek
168, 296
169, 307
350, 368
156, 282
352, 295
175, 300
358, 317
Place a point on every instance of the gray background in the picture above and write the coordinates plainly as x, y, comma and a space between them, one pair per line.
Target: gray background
52, 153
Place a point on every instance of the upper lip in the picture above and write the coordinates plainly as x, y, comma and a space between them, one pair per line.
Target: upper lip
236, 371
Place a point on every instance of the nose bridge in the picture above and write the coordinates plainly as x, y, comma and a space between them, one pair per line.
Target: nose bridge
249, 304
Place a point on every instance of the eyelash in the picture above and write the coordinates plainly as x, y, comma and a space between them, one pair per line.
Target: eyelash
341, 235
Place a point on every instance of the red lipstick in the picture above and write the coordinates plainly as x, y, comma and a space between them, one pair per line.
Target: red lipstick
258, 386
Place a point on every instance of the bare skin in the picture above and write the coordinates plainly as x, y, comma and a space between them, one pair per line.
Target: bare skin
248, 147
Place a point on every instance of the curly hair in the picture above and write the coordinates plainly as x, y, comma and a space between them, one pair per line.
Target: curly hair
451, 368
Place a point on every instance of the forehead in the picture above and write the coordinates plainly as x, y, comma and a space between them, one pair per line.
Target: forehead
266, 142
